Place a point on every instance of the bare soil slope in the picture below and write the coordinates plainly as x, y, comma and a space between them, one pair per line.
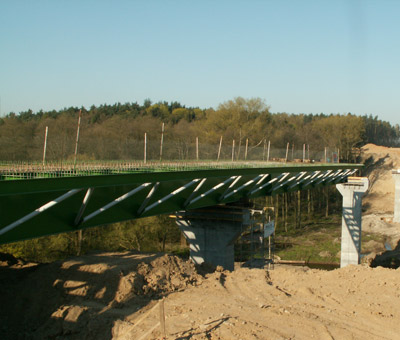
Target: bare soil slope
105, 296
380, 161
378, 203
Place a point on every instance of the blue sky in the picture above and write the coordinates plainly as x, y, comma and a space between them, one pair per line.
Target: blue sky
299, 56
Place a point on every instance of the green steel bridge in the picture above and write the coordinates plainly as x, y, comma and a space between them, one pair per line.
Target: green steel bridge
37, 200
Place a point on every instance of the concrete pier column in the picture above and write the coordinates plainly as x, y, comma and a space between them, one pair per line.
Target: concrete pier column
352, 193
211, 233
396, 177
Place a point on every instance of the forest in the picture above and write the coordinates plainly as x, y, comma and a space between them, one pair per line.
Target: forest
116, 132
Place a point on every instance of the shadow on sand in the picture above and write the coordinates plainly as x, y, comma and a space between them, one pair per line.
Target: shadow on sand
80, 298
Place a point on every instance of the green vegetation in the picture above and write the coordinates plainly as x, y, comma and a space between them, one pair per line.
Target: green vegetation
151, 234
318, 241
116, 132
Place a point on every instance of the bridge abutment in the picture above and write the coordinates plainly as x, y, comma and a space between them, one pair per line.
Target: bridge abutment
352, 193
211, 233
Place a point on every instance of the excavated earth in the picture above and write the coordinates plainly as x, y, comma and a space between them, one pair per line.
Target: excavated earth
116, 296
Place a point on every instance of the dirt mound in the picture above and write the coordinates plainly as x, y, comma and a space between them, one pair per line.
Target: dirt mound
163, 275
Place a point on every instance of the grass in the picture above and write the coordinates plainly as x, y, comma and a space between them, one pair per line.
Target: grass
318, 241
181, 252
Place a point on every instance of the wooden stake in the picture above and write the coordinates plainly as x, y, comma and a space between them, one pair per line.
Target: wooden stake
265, 142
145, 148
304, 153
162, 140
233, 149
219, 149
197, 148
240, 144
269, 146
45, 145
77, 137
287, 152
308, 151
245, 151
325, 154
141, 319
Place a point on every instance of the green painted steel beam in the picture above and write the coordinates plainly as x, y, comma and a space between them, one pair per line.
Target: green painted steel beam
35, 207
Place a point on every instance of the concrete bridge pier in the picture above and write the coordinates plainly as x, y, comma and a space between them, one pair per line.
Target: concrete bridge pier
352, 193
396, 176
211, 233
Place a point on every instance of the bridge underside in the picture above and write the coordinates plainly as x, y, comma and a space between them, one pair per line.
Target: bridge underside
36, 207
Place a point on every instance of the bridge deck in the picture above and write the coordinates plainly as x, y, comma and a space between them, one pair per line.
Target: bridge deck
22, 170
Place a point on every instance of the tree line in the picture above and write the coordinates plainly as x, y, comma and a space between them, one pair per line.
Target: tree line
110, 132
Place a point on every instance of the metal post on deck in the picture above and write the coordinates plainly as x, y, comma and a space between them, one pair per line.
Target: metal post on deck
162, 140
45, 145
219, 149
77, 138
287, 152
145, 148
245, 152
197, 148
265, 142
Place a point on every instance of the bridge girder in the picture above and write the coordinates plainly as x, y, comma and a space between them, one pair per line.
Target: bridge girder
36, 207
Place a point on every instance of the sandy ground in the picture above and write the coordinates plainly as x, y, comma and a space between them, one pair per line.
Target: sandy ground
112, 296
